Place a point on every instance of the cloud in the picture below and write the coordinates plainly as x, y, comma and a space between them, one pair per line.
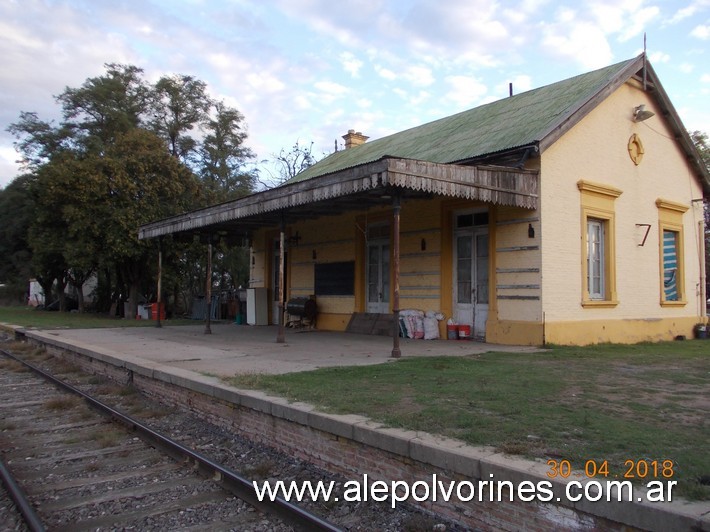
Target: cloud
385, 73
464, 31
701, 32
265, 82
311, 67
686, 68
351, 64
625, 18
581, 42
583, 33
689, 11
329, 91
659, 57
8, 162
465, 91
419, 75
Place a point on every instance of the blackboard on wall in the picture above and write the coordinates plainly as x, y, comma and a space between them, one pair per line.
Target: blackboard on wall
335, 279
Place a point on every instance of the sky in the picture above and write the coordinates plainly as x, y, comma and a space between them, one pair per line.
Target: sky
310, 70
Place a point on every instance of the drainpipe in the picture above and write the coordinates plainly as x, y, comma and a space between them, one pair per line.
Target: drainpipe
524, 158
280, 336
396, 352
701, 260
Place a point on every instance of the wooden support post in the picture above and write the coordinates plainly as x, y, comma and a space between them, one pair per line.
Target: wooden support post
280, 337
208, 288
396, 352
160, 279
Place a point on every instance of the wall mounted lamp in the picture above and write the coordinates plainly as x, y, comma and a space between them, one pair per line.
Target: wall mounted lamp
294, 240
641, 114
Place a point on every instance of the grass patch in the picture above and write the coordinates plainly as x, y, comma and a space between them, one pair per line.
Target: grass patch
108, 437
606, 402
25, 348
7, 364
41, 319
249, 380
127, 391
64, 367
108, 388
59, 404
260, 470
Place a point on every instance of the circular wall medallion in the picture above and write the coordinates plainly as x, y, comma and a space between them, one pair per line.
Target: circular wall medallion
635, 149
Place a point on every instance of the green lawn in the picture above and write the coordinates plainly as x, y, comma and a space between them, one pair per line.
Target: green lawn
42, 319
611, 402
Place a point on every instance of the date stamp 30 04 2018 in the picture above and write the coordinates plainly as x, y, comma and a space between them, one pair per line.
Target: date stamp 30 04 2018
641, 469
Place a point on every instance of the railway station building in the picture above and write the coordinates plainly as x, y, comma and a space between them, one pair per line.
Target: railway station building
567, 214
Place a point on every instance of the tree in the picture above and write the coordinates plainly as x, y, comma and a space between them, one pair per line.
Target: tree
181, 103
105, 107
126, 152
136, 181
224, 156
16, 215
700, 139
291, 163
37, 140
47, 232
96, 177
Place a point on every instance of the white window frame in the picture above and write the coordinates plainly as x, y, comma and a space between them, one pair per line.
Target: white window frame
596, 256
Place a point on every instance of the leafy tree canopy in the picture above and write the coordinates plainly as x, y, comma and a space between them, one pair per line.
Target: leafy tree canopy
126, 152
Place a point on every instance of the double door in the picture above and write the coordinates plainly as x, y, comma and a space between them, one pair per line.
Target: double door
471, 279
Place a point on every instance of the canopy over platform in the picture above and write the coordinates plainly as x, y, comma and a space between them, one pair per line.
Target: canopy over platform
356, 188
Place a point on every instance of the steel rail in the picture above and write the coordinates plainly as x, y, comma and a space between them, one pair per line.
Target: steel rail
19, 497
234, 482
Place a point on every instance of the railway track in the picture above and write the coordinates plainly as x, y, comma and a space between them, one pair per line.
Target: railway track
86, 466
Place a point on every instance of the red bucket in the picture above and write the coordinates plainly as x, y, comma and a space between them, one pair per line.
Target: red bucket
464, 332
452, 332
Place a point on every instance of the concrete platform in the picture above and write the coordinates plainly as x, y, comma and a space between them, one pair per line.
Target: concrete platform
232, 349
184, 362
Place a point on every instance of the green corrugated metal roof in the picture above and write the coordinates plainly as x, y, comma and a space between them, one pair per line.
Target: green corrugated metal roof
513, 122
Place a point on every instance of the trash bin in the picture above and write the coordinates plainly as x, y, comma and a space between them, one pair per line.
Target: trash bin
153, 307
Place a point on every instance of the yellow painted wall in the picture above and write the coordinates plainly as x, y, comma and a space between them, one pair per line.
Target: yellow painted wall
536, 282
596, 150
515, 250
425, 257
515, 314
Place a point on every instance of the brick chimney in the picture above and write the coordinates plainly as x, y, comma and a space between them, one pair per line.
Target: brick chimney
353, 139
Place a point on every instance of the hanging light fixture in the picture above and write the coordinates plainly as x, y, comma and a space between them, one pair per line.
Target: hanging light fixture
641, 114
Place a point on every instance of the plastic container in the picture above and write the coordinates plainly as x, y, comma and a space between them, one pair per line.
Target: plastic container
464, 332
452, 331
